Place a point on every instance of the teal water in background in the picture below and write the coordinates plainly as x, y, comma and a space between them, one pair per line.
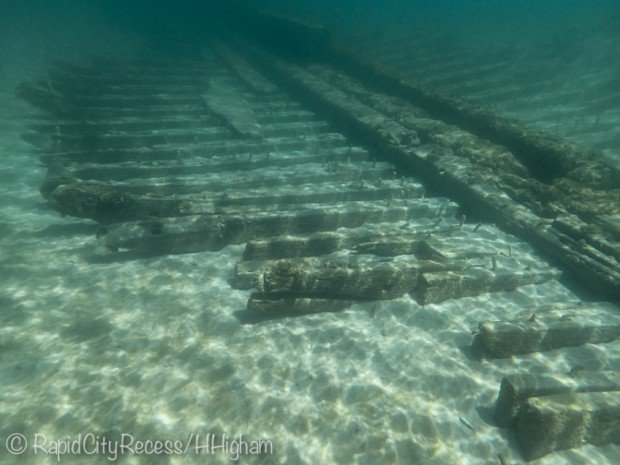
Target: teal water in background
554, 64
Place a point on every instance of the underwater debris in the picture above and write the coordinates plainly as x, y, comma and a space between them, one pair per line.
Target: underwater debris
501, 339
586, 417
95, 201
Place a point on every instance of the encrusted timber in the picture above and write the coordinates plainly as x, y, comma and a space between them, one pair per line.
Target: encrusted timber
437, 287
488, 200
107, 205
271, 305
398, 241
367, 277
187, 164
516, 389
314, 173
227, 148
501, 339
565, 421
212, 232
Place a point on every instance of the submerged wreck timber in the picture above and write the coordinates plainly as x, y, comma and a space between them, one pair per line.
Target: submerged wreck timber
347, 184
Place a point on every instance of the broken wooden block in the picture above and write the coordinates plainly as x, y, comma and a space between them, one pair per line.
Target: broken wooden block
356, 280
565, 421
437, 287
108, 205
500, 339
99, 202
516, 389
360, 277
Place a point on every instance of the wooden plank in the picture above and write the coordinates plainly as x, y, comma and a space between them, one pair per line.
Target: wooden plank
218, 182
371, 277
250, 273
437, 287
334, 279
294, 305
77, 128
360, 240
107, 205
359, 277
540, 332
212, 232
187, 163
143, 139
332, 143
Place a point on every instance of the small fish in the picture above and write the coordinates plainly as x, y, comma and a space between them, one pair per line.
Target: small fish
477, 227
502, 458
467, 424
373, 311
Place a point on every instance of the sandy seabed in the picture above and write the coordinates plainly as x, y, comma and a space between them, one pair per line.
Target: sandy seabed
153, 348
